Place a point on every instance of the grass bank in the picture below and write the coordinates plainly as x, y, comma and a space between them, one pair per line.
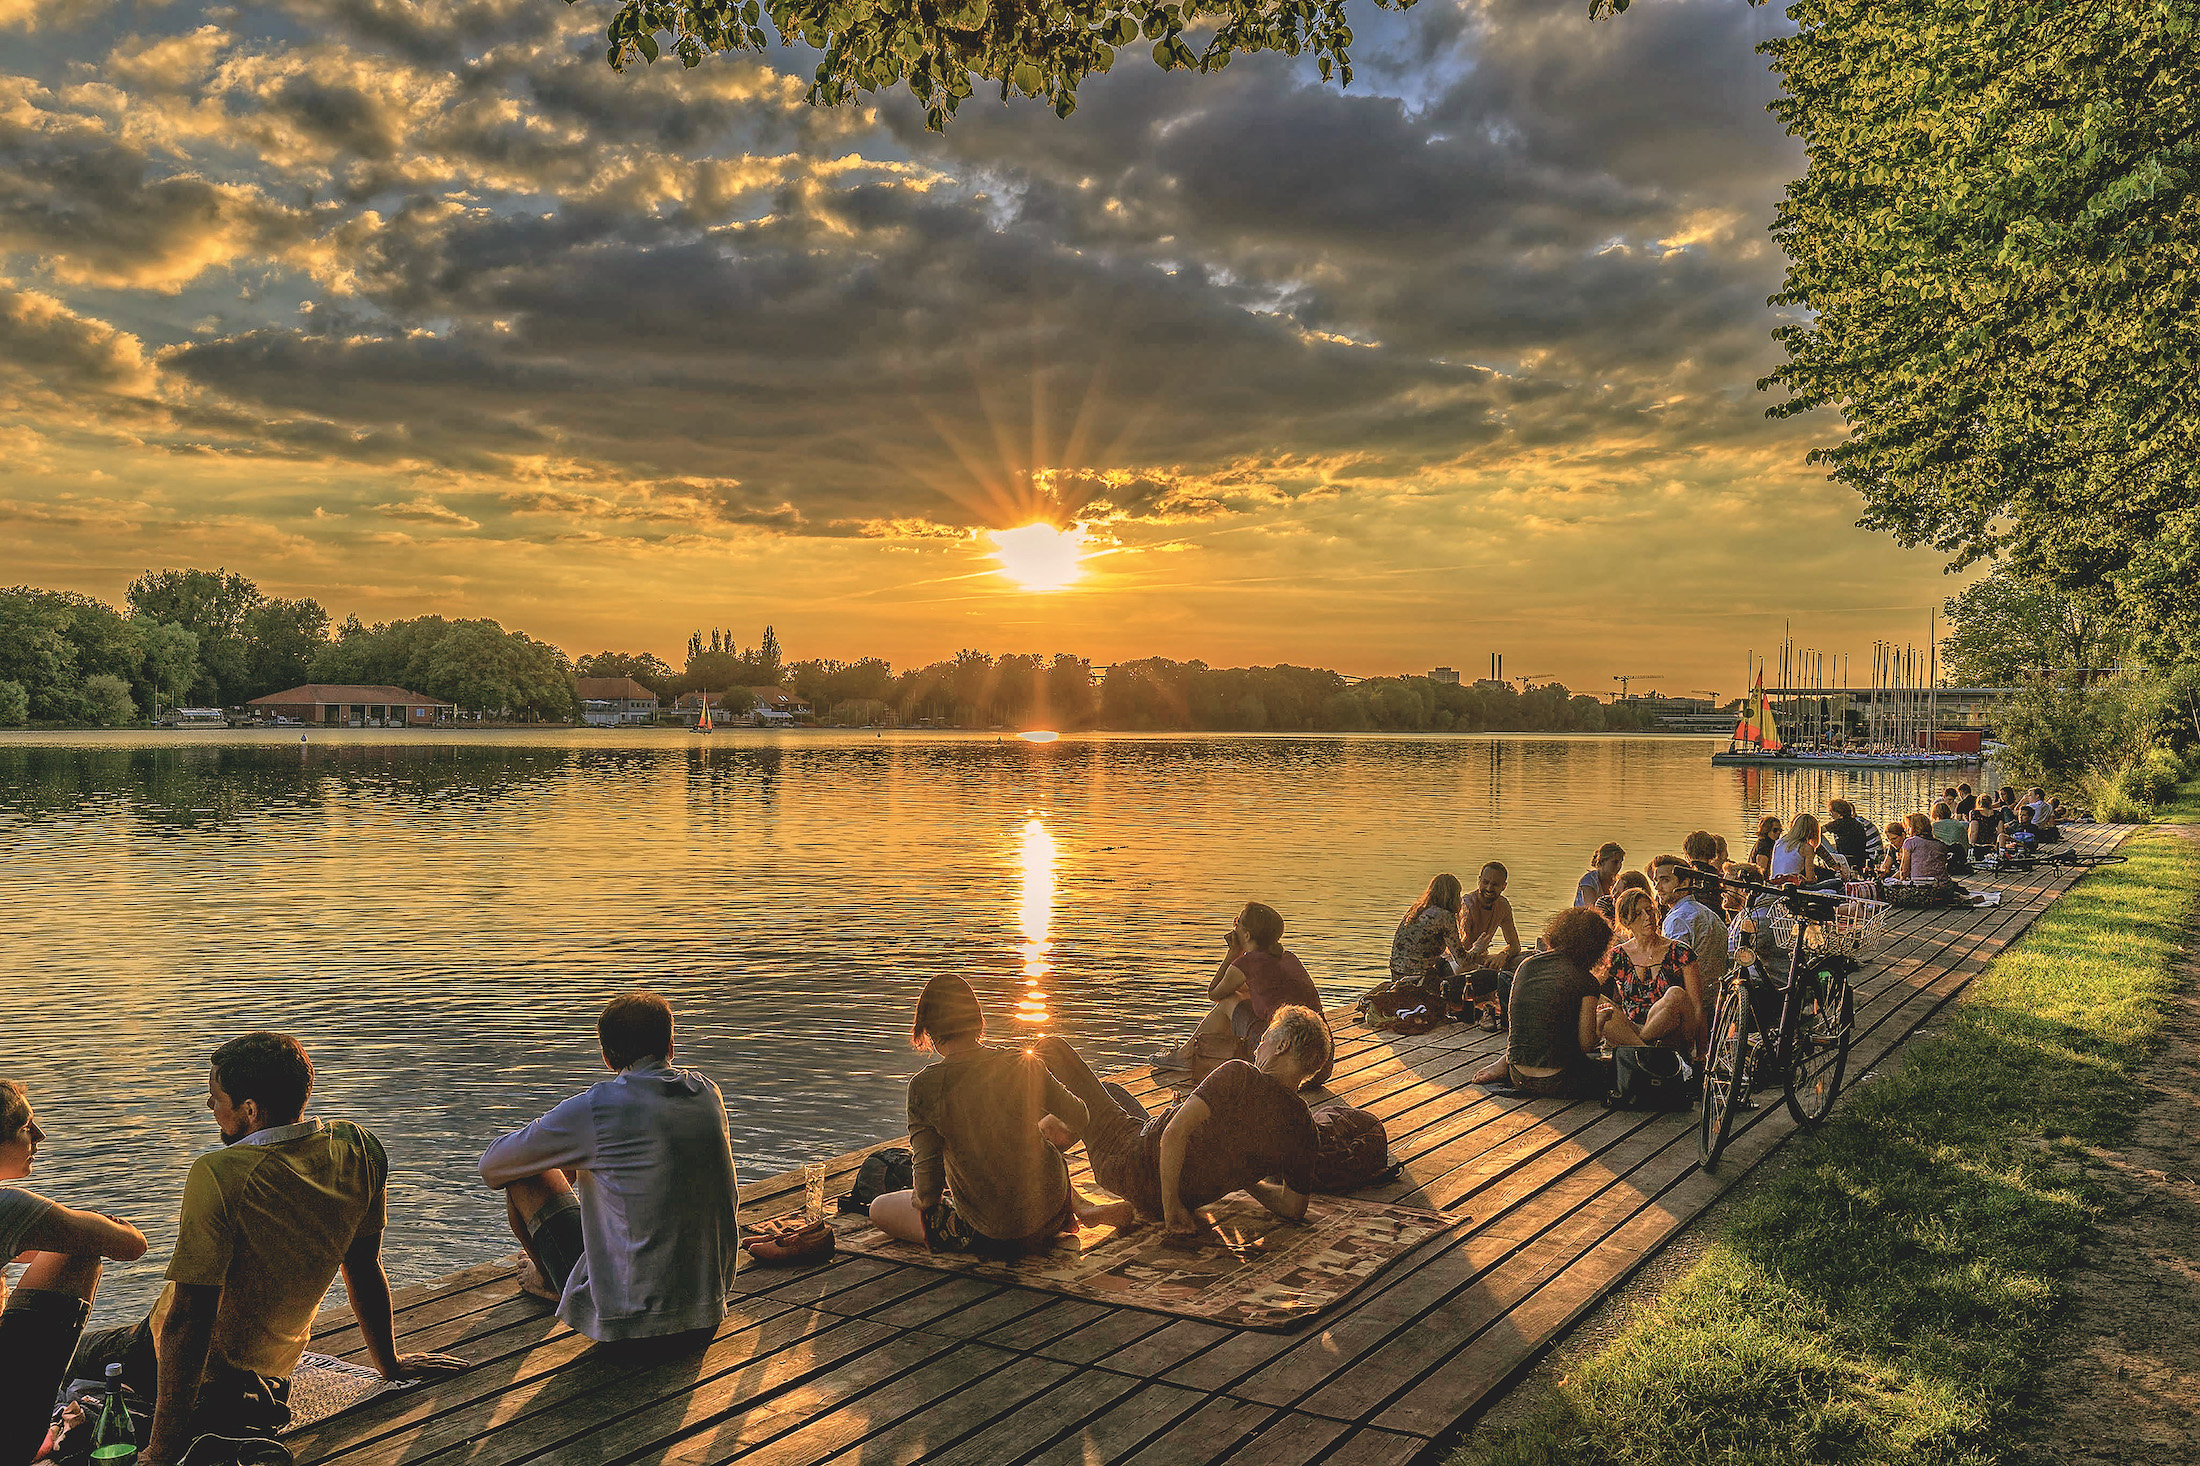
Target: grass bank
1890, 1295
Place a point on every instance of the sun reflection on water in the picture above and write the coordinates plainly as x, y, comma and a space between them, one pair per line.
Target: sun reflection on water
1037, 918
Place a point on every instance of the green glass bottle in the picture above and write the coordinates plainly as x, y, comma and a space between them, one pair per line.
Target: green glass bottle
114, 1435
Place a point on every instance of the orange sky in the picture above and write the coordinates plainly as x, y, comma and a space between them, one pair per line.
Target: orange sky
453, 320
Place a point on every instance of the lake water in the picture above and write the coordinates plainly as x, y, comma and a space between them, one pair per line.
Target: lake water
438, 916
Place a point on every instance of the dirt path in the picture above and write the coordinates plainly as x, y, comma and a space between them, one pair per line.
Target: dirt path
2130, 1390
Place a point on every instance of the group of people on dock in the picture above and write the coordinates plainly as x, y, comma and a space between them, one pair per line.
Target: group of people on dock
624, 1197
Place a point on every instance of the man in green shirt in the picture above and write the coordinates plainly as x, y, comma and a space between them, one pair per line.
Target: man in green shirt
268, 1221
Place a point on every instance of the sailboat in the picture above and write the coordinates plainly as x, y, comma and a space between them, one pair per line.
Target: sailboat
702, 723
1756, 737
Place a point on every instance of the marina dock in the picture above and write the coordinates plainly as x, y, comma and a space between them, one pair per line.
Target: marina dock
858, 1360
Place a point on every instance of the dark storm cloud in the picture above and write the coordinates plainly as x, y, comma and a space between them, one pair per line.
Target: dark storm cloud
686, 299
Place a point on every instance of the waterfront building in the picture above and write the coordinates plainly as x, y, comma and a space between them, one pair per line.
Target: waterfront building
614, 702
332, 705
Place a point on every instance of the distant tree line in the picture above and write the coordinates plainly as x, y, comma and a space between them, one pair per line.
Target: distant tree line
212, 637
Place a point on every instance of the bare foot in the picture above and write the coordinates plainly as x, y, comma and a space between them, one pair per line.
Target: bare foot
532, 1282
1117, 1214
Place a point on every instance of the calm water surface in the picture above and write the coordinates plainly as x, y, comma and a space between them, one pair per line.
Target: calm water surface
438, 916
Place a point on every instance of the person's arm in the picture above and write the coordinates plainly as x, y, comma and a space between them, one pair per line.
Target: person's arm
1176, 1139
1513, 948
1591, 1032
1903, 871
557, 1141
185, 1337
927, 1163
1229, 978
84, 1234
367, 1287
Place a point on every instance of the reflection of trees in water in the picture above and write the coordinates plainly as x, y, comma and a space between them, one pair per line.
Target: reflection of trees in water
183, 786
733, 772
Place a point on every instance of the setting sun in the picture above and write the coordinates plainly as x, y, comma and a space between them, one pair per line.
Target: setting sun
1039, 556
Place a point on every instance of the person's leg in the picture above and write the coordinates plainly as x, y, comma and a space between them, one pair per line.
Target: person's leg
1112, 1136
545, 1216
39, 1331
895, 1213
1497, 1071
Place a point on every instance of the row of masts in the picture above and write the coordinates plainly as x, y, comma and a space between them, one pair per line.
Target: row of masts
1896, 708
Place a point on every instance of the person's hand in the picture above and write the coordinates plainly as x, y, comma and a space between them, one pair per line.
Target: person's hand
1055, 1133
1234, 940
1181, 1220
429, 1366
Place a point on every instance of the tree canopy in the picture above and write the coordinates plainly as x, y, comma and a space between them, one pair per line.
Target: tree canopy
476, 664
1997, 244
941, 49
2006, 629
248, 643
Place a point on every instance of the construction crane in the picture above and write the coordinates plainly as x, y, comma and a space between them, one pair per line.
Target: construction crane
1635, 677
1705, 692
1524, 681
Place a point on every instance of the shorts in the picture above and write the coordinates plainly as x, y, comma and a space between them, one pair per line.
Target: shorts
946, 1230
38, 1333
554, 1237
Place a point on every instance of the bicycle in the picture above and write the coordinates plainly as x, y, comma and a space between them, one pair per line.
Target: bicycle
2019, 862
1806, 1048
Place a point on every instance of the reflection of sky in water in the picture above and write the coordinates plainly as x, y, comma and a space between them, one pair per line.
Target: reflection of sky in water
439, 917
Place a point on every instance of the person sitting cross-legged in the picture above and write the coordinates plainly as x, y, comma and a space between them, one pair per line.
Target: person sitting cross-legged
624, 1196
43, 1317
268, 1222
1554, 999
1244, 1125
987, 1176
1653, 984
1257, 977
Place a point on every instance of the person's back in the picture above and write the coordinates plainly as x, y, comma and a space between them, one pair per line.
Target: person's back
1951, 832
1545, 1032
1927, 857
1851, 839
657, 1196
1704, 931
1276, 980
1265, 1130
984, 1104
1787, 859
268, 1221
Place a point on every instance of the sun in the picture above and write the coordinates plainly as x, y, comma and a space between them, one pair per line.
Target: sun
1039, 557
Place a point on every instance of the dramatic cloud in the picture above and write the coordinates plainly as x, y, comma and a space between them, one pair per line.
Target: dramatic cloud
411, 274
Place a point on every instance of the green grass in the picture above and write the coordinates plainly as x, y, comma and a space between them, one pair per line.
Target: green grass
2184, 806
1890, 1295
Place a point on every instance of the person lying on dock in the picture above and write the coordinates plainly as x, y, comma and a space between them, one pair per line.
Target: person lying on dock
1553, 1019
624, 1196
1244, 1125
1595, 886
61, 1250
1688, 919
268, 1221
1653, 985
989, 1177
1255, 979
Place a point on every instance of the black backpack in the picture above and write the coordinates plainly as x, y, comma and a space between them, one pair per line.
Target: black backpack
1646, 1077
882, 1171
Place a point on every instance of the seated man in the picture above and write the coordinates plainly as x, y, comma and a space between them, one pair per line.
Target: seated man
1244, 1124
1483, 916
268, 1221
2022, 838
624, 1195
1688, 918
60, 1250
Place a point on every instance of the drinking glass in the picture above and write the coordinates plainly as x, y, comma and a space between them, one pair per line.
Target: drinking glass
813, 1188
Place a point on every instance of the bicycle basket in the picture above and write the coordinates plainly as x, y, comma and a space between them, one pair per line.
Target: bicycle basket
1858, 929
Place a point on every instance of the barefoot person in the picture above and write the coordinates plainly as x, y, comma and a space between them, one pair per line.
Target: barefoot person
1244, 1129
43, 1317
1256, 979
989, 1176
268, 1222
624, 1195
1554, 998
1653, 985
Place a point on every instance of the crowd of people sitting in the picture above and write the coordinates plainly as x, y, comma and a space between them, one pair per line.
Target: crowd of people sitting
624, 1198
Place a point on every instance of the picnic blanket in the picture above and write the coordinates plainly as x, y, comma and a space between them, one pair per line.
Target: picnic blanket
1254, 1271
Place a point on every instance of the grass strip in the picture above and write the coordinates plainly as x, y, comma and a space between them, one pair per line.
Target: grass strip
1890, 1295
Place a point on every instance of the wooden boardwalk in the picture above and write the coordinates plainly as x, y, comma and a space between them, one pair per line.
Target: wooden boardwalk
858, 1360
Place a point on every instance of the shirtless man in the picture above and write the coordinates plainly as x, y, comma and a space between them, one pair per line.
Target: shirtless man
1483, 915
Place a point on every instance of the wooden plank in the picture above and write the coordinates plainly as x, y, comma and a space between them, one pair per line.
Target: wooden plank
1010, 1391
1290, 1439
1213, 1431
826, 1435
733, 1418
1122, 1429
1039, 1423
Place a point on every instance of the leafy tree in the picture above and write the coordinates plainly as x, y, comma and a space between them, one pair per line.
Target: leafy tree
35, 652
644, 667
941, 51
1996, 245
107, 702
476, 664
282, 638
169, 660
2006, 629
249, 644
15, 704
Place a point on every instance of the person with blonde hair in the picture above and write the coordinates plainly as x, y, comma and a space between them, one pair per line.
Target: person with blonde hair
1795, 857
1244, 1129
1255, 978
1595, 886
987, 1128
1653, 985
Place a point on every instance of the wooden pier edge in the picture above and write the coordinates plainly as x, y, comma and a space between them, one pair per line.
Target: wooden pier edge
860, 1360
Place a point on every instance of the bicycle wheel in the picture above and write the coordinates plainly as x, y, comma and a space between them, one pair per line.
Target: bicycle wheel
1822, 1031
1728, 1071
2090, 862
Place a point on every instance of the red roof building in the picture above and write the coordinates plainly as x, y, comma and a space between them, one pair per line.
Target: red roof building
324, 704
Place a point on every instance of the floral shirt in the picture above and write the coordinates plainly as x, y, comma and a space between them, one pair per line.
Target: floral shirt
1423, 937
1635, 989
